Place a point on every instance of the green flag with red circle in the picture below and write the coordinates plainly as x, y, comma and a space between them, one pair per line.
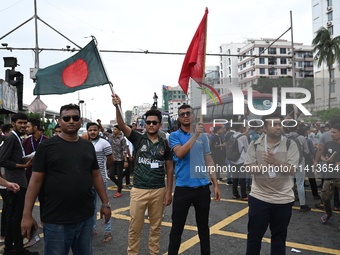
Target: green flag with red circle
81, 71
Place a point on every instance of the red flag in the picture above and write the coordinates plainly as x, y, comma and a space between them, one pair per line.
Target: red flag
194, 59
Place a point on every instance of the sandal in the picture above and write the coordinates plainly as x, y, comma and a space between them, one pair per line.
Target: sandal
117, 195
244, 199
107, 237
336, 209
324, 218
236, 197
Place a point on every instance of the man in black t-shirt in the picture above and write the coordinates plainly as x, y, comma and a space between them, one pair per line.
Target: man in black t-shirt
65, 169
331, 155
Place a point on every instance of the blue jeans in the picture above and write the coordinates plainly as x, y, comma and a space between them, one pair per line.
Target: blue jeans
300, 181
59, 239
260, 215
96, 199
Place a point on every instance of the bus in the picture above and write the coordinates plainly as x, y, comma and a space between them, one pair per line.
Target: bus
224, 111
166, 122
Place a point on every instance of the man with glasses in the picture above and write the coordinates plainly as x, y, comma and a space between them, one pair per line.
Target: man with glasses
11, 154
191, 149
272, 159
64, 171
153, 159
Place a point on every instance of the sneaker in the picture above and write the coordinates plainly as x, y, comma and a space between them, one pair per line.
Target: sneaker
128, 186
304, 208
317, 197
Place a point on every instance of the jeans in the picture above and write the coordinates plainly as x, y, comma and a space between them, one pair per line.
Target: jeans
96, 199
183, 198
117, 168
262, 214
300, 182
15, 207
59, 239
239, 177
5, 197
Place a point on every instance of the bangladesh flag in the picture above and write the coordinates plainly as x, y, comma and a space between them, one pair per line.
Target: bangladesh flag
81, 71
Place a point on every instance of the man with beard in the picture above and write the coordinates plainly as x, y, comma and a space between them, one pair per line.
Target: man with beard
272, 159
153, 159
32, 142
65, 170
191, 149
11, 154
105, 160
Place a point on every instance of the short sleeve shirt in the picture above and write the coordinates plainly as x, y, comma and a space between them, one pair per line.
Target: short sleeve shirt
191, 170
277, 190
150, 160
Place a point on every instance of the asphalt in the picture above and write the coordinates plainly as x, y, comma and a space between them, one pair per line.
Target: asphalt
228, 228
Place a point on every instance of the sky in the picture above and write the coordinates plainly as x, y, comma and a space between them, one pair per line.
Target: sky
153, 25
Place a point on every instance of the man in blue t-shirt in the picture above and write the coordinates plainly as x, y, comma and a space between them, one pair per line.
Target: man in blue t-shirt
193, 161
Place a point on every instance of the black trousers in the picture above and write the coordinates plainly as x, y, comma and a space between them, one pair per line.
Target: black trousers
5, 197
15, 208
237, 177
183, 198
117, 169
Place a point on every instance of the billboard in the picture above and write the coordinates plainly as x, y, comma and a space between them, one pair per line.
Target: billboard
8, 98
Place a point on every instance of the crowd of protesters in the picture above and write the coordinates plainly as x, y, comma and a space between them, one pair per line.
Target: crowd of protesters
68, 212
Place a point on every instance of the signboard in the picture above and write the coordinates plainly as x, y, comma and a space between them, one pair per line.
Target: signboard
37, 106
8, 97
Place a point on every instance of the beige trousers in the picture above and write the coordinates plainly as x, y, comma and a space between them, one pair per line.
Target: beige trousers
139, 200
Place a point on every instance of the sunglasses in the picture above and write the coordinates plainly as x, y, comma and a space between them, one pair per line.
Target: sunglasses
182, 114
148, 122
67, 118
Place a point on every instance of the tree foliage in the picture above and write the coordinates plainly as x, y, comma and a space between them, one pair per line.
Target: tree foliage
327, 115
326, 49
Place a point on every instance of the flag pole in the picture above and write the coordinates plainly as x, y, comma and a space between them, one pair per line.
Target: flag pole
107, 77
203, 100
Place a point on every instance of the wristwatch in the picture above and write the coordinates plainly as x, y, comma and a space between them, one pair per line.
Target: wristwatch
107, 205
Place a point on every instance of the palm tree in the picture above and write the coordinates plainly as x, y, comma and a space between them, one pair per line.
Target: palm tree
327, 50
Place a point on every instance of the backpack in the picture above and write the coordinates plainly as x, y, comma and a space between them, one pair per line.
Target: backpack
301, 153
232, 151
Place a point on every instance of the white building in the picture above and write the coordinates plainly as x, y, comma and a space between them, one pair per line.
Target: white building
256, 61
326, 14
173, 107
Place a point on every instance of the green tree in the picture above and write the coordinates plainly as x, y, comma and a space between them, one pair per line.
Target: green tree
326, 49
327, 115
128, 117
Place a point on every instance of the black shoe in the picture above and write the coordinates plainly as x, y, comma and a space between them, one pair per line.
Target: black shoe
317, 197
319, 206
304, 208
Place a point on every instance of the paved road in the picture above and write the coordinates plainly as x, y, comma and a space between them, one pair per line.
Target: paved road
228, 221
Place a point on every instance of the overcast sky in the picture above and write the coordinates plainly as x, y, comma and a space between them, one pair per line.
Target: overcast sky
153, 25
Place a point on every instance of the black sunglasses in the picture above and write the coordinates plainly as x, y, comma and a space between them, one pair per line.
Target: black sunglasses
148, 122
67, 118
182, 114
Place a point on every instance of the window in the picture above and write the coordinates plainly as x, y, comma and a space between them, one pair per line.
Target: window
330, 16
330, 29
283, 71
229, 70
271, 61
241, 67
272, 71
221, 65
262, 71
332, 87
329, 2
283, 61
272, 51
251, 72
300, 64
229, 61
262, 61
261, 49
282, 50
221, 74
332, 73
300, 54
